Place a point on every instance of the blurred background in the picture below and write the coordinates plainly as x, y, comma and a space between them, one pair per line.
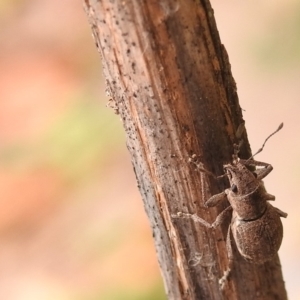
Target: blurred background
72, 224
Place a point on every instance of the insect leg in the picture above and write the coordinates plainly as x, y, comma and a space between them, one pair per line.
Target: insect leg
281, 213
229, 247
222, 216
219, 220
261, 173
194, 217
224, 278
216, 199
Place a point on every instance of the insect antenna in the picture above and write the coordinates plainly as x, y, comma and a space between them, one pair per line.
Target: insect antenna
262, 147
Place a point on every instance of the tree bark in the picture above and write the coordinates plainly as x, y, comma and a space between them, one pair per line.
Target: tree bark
170, 80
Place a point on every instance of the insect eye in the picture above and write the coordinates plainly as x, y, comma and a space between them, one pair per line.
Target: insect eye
234, 188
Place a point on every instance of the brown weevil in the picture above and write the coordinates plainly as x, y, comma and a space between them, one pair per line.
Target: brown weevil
255, 224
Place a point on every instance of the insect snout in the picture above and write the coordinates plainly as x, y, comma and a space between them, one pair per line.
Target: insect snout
229, 171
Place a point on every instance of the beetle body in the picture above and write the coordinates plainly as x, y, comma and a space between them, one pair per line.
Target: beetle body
258, 240
255, 224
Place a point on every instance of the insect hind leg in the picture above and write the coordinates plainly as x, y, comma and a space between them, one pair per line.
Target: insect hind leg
224, 278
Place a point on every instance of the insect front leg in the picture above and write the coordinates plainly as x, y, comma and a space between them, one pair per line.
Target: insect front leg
219, 220
261, 173
222, 216
216, 199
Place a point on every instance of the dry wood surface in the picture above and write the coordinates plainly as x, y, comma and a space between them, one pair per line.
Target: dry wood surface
169, 79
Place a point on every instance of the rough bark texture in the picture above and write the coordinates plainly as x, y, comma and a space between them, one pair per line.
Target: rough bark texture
170, 80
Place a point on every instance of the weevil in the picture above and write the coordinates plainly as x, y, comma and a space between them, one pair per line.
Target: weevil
255, 224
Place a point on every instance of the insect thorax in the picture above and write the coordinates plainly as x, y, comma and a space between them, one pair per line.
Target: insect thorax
250, 206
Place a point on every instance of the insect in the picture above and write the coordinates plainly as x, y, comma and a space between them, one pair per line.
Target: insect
255, 224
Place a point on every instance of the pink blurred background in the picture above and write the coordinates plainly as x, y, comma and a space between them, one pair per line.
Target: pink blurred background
72, 224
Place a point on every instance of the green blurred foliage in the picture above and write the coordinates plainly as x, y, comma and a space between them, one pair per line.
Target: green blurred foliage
77, 141
81, 139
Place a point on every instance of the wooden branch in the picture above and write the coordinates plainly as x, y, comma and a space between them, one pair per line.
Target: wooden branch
170, 80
